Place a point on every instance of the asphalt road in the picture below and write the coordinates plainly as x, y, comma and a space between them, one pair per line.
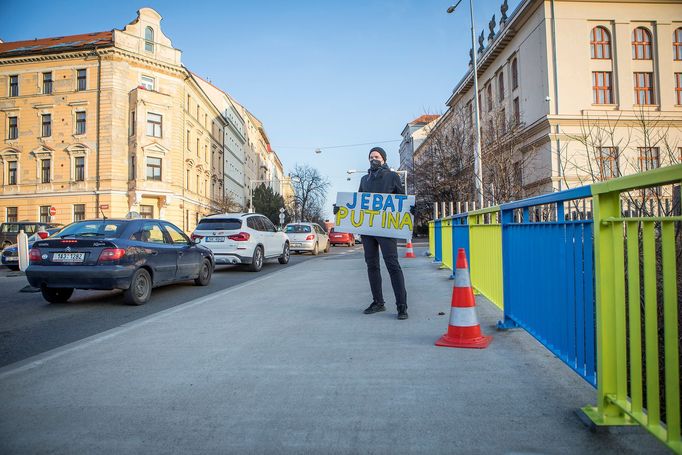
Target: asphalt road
29, 325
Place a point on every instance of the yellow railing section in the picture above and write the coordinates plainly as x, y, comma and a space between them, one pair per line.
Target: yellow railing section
447, 243
636, 290
432, 238
485, 252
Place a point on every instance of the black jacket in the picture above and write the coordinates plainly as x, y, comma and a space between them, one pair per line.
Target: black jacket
383, 180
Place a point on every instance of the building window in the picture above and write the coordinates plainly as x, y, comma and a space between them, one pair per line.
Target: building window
78, 212
503, 120
13, 128
82, 78
44, 213
600, 43
12, 172
47, 83
197, 146
678, 88
677, 44
147, 82
489, 96
608, 162
154, 124
188, 177
147, 211
644, 88
649, 158
45, 170
12, 214
198, 112
46, 125
149, 39
133, 176
515, 74
500, 87
602, 90
133, 122
516, 111
641, 44
189, 138
79, 169
80, 122
14, 85
153, 168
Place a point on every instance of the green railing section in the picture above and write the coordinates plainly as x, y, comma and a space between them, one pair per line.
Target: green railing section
485, 252
633, 295
432, 238
447, 244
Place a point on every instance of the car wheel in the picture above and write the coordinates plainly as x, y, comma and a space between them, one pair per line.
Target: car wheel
284, 258
204, 274
257, 262
316, 250
56, 295
140, 288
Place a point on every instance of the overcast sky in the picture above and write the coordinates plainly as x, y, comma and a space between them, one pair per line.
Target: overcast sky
317, 73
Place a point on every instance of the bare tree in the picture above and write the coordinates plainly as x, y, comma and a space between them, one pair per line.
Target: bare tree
228, 204
310, 192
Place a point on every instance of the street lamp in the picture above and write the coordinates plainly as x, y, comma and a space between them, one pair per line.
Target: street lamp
478, 175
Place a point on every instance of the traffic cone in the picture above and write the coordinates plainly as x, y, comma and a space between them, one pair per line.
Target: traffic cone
410, 251
464, 331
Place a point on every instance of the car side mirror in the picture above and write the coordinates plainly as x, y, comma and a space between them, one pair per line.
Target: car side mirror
197, 241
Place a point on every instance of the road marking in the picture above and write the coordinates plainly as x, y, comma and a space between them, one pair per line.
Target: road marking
44, 357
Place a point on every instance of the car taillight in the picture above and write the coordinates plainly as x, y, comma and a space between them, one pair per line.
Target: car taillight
196, 236
310, 237
111, 254
34, 255
241, 237
43, 235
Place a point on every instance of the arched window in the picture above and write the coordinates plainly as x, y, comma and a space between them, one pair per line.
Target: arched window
149, 39
515, 74
641, 44
677, 44
500, 87
600, 43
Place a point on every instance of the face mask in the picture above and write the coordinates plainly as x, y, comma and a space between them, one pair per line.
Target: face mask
375, 164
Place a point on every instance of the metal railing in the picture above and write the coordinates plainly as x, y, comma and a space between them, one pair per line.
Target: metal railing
485, 249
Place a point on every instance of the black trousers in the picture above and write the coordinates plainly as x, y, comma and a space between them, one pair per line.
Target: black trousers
389, 250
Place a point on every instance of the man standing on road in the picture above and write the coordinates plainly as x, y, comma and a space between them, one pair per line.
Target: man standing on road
380, 179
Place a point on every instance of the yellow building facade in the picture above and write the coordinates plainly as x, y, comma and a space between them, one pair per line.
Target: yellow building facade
104, 124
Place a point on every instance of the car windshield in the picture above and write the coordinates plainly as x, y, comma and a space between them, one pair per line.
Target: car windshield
99, 228
223, 224
297, 229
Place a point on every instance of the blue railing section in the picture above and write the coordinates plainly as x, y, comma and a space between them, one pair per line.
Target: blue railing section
460, 237
554, 251
438, 257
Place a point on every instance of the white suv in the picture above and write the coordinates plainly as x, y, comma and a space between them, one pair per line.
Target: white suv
242, 238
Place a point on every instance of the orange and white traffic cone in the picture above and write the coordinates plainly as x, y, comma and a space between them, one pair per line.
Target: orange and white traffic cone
410, 251
464, 331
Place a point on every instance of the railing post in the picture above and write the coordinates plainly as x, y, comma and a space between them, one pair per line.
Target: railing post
506, 218
609, 331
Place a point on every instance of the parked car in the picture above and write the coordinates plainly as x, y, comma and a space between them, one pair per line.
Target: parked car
10, 230
134, 255
242, 238
341, 238
10, 255
307, 237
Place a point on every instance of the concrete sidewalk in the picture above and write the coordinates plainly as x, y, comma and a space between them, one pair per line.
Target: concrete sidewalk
287, 363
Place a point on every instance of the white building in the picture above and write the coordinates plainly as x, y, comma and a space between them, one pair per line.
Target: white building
413, 135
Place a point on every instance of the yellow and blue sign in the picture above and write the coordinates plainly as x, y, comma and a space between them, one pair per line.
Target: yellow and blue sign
377, 214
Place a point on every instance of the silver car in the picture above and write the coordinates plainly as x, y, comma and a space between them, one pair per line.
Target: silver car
307, 237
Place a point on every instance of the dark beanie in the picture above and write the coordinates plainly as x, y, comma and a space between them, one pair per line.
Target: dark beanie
381, 151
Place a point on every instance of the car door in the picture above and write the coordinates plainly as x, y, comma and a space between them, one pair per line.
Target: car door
158, 253
256, 231
270, 232
188, 256
322, 236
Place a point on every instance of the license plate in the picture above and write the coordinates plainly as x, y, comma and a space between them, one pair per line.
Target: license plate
68, 257
215, 239
11, 258
295, 244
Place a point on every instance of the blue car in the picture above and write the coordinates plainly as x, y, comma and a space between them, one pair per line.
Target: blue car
10, 255
134, 255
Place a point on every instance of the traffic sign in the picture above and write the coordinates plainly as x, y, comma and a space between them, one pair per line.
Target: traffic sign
281, 218
281, 210
53, 211
103, 206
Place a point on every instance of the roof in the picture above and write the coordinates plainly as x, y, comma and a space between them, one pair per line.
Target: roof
57, 44
427, 118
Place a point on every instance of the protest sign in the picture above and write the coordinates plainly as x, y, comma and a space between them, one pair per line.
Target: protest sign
378, 214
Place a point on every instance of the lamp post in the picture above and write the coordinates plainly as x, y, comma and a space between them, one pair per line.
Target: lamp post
478, 174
